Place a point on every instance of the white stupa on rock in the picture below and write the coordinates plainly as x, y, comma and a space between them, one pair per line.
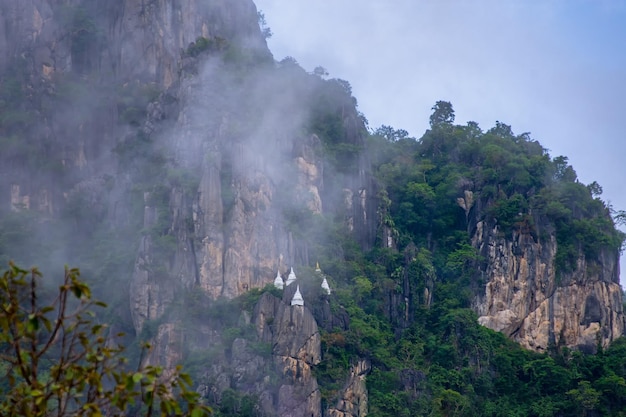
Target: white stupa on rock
278, 282
291, 278
317, 267
297, 299
325, 286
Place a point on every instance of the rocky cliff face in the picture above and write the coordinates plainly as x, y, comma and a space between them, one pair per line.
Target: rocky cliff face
273, 363
127, 39
171, 119
353, 402
526, 299
293, 333
43, 43
225, 132
273, 360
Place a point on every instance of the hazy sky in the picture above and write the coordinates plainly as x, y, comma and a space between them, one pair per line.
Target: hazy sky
554, 68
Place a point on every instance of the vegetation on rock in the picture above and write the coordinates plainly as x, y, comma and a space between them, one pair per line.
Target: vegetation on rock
403, 280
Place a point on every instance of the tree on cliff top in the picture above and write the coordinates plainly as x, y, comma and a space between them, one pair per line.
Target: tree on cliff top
443, 114
58, 361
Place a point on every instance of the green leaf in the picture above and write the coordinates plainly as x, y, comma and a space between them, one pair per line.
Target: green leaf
47, 323
198, 412
185, 378
137, 376
130, 383
77, 291
33, 323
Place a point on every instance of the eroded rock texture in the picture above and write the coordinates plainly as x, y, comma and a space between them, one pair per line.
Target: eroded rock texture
525, 299
280, 378
180, 108
353, 402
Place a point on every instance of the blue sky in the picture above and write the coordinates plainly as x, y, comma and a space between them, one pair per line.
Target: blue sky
555, 68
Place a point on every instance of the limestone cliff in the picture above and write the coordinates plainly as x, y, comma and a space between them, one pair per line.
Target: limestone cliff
183, 163
524, 298
167, 132
127, 39
224, 229
353, 402
292, 330
273, 363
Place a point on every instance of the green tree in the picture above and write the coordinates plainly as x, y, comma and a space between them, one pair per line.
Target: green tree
595, 189
585, 397
266, 31
449, 403
443, 114
59, 361
391, 134
562, 170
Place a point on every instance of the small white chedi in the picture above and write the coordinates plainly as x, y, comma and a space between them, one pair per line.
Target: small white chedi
291, 278
278, 282
297, 299
325, 286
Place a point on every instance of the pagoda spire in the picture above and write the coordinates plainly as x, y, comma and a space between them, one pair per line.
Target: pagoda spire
278, 282
291, 278
325, 286
297, 299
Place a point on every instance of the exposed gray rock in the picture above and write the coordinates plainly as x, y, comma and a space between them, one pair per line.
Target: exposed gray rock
293, 332
524, 299
353, 401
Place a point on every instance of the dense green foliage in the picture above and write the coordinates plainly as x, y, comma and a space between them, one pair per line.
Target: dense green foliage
444, 363
514, 182
434, 359
408, 302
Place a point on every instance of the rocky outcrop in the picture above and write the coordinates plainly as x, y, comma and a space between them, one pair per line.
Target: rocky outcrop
151, 36
274, 364
167, 346
293, 332
525, 299
251, 171
310, 170
353, 401
66, 59
129, 38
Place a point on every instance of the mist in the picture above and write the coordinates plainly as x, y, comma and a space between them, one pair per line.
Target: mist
166, 152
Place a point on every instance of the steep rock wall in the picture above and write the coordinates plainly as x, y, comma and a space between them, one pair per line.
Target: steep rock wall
257, 174
151, 35
53, 48
296, 348
132, 38
353, 402
229, 230
274, 362
525, 299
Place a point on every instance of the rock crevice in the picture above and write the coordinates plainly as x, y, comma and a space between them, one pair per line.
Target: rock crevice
524, 298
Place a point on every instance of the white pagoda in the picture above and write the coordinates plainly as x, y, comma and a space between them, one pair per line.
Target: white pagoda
278, 282
297, 299
291, 278
325, 286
